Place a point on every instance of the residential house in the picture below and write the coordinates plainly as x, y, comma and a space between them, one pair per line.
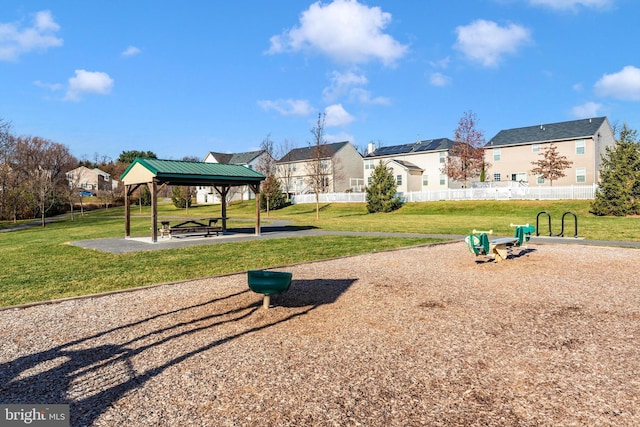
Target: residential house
338, 164
92, 180
250, 159
511, 152
416, 166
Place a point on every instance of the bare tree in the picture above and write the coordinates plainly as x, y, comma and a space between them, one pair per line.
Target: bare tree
466, 156
44, 164
319, 165
71, 193
267, 166
7, 151
284, 171
552, 165
266, 162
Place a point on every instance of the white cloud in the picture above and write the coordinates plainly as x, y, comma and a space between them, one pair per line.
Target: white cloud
348, 84
341, 84
572, 4
624, 84
51, 86
336, 115
586, 110
441, 63
288, 107
439, 79
486, 42
131, 51
15, 41
344, 30
88, 82
363, 96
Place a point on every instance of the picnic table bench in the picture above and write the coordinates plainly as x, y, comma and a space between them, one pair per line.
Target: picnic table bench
191, 228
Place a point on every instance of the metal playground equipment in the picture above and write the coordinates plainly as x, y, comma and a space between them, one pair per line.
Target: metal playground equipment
561, 234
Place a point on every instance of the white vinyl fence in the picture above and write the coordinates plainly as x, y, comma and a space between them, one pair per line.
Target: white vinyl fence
572, 192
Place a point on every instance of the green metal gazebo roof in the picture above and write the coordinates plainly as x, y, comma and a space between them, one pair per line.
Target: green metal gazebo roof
183, 172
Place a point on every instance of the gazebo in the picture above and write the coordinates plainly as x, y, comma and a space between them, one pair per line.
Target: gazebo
157, 173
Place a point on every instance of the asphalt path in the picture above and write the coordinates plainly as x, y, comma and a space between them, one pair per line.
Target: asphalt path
283, 230
278, 229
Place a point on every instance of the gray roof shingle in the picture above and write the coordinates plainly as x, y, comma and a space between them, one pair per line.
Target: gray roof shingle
306, 153
547, 132
407, 165
236, 158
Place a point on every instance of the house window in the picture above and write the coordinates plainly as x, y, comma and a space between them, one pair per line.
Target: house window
443, 180
540, 180
425, 180
369, 181
443, 156
535, 148
368, 164
519, 177
581, 175
399, 179
292, 167
496, 177
580, 146
325, 182
496, 154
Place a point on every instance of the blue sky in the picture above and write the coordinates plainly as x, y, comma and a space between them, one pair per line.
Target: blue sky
102, 77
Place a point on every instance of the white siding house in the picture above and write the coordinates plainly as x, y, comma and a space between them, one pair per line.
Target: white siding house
251, 159
416, 166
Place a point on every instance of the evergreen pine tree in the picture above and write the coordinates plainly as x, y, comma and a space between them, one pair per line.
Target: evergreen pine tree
381, 192
271, 196
619, 190
181, 197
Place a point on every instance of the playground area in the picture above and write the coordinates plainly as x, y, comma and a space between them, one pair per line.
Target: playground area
416, 336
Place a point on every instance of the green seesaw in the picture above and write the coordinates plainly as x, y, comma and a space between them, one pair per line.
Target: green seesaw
498, 249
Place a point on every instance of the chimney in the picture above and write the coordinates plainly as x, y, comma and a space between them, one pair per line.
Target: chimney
371, 148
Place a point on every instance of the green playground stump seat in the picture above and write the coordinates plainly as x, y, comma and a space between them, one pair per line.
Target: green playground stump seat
268, 283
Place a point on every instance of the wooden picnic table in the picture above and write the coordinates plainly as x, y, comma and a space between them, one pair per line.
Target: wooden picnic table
192, 227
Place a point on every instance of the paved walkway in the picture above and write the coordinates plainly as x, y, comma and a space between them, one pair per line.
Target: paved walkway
282, 230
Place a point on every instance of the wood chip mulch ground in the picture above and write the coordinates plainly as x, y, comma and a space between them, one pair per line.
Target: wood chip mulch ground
412, 337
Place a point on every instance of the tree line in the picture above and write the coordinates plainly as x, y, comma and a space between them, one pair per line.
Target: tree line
34, 181
32, 175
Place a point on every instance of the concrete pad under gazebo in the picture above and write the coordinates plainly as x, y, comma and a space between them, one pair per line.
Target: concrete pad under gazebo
157, 173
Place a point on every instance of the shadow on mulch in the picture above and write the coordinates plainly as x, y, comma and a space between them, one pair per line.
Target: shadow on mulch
511, 256
77, 376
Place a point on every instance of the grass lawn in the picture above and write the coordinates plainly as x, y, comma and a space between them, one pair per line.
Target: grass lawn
39, 265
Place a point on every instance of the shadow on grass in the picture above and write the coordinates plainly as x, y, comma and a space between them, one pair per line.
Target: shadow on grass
92, 373
265, 229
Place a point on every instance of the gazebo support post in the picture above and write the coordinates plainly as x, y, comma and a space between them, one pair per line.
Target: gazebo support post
153, 189
128, 192
223, 191
127, 212
256, 190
